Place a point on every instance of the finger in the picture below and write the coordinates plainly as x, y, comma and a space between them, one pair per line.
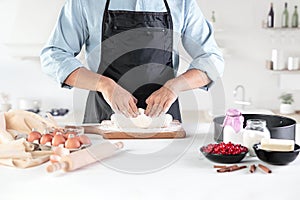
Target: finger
123, 110
125, 113
154, 109
130, 111
167, 106
135, 100
151, 108
158, 110
156, 102
133, 107
117, 109
149, 103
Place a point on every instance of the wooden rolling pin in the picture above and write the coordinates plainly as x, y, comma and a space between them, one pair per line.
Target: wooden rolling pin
85, 157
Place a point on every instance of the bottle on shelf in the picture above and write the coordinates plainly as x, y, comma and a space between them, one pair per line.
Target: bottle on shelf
295, 18
285, 17
270, 20
213, 18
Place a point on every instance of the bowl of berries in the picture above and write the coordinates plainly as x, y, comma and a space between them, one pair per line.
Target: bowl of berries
224, 152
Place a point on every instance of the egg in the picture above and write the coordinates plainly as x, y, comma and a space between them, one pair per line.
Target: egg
72, 142
58, 139
46, 138
84, 139
66, 135
55, 131
33, 136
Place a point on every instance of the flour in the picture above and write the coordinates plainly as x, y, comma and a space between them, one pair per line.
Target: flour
141, 121
110, 126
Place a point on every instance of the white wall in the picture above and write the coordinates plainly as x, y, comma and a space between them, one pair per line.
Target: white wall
248, 46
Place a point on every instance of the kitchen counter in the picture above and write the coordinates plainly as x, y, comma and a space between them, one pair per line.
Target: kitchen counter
174, 170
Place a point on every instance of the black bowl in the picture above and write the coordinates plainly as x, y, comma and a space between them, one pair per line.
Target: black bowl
279, 127
276, 157
221, 158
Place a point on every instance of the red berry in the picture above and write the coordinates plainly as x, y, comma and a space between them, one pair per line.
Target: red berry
225, 149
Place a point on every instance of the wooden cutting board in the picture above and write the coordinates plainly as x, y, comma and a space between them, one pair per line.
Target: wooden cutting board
96, 129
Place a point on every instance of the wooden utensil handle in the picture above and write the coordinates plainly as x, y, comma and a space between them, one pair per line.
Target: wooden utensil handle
85, 157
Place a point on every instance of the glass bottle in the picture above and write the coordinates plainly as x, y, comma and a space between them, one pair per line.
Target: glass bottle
295, 18
255, 130
233, 126
285, 17
213, 18
270, 20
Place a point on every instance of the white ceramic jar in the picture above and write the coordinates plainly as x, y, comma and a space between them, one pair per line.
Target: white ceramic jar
255, 130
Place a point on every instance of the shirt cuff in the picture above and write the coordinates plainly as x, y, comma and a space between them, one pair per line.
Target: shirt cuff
213, 69
70, 65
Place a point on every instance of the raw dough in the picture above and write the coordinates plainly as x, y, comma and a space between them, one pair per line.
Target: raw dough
142, 121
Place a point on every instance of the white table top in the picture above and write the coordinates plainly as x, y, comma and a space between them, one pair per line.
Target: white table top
187, 175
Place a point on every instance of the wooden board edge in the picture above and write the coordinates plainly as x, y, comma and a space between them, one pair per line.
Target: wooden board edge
161, 135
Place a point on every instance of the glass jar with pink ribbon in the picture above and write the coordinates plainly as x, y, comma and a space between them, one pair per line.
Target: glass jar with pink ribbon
233, 127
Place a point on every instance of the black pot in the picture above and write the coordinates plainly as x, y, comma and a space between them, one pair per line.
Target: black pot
279, 127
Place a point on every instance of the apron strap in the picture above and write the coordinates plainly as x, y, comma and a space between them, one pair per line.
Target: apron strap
165, 1
107, 5
167, 6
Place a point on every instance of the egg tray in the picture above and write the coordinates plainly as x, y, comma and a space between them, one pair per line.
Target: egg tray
43, 147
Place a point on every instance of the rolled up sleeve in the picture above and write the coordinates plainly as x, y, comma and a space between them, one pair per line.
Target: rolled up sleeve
198, 40
58, 57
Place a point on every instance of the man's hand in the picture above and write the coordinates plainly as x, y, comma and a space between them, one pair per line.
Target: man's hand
119, 99
160, 101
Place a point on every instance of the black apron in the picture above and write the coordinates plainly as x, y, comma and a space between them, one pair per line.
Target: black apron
136, 52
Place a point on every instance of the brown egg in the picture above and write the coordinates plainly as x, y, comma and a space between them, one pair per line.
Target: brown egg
57, 130
72, 142
46, 138
58, 139
83, 139
66, 135
34, 135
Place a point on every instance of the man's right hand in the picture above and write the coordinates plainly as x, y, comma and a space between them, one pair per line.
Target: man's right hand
119, 99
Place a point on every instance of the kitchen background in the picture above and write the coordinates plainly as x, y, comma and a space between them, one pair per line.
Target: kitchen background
26, 25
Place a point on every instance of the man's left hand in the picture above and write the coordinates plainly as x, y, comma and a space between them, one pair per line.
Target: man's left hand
160, 101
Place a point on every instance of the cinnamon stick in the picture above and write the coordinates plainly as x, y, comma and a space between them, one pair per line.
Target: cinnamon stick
231, 168
219, 166
265, 169
238, 168
252, 168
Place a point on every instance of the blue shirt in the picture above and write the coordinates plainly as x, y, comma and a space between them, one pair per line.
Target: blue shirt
80, 23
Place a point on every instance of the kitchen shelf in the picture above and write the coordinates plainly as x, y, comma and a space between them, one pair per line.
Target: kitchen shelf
284, 71
282, 29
